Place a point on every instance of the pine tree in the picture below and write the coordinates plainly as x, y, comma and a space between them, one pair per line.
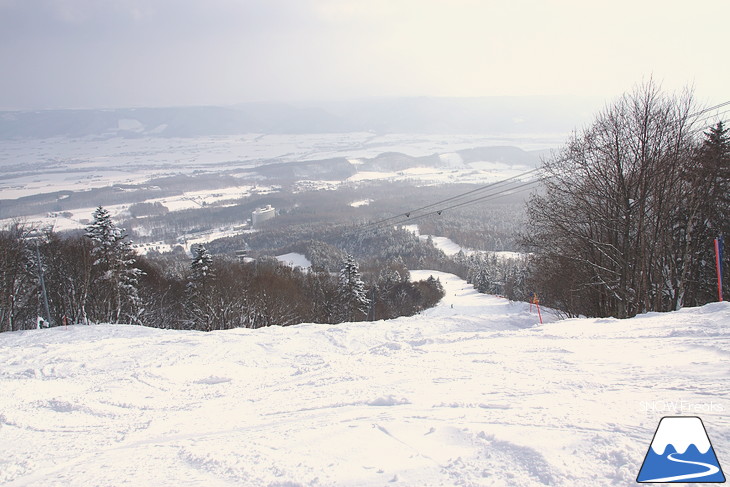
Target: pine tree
201, 268
713, 187
353, 296
715, 162
116, 278
199, 292
483, 280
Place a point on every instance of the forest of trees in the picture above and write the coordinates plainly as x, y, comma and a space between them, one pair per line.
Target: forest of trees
326, 245
96, 278
630, 209
304, 213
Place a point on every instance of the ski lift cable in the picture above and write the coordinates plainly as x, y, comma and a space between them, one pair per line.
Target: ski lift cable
712, 116
524, 187
488, 186
705, 123
453, 198
700, 117
411, 213
708, 109
504, 192
511, 191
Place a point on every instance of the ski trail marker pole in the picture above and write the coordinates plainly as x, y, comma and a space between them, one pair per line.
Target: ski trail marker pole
536, 301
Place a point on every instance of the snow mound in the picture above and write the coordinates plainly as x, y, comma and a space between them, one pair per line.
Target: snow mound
389, 400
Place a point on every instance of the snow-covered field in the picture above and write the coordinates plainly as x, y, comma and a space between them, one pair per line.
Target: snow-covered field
35, 166
294, 259
470, 393
42, 166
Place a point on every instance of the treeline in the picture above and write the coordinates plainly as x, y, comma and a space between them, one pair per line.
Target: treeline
496, 226
95, 277
630, 209
510, 277
326, 244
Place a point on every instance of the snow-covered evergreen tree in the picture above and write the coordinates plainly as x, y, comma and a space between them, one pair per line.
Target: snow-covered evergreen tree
353, 296
201, 268
104, 234
483, 280
199, 292
117, 278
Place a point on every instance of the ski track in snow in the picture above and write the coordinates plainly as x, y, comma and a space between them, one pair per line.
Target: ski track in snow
471, 393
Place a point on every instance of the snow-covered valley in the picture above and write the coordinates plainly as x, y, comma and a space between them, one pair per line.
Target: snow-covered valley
59, 181
473, 392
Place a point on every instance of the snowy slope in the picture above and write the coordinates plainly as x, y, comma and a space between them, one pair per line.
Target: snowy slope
473, 394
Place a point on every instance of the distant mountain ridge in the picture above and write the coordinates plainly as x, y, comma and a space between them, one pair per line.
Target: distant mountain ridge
341, 168
383, 115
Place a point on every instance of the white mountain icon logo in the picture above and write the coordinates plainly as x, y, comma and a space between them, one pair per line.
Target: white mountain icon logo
681, 452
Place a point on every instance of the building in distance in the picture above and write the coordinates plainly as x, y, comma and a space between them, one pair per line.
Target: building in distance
260, 215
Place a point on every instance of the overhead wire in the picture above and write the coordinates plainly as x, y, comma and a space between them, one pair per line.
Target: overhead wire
699, 119
701, 116
508, 191
413, 213
708, 109
400, 220
483, 188
714, 116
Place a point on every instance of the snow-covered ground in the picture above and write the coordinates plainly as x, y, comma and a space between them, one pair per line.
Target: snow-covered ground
79, 218
359, 203
294, 259
470, 393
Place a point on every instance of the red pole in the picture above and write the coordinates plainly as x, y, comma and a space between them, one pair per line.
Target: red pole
718, 266
537, 303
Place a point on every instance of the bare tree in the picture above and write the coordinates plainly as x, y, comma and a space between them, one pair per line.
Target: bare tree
610, 205
69, 276
18, 283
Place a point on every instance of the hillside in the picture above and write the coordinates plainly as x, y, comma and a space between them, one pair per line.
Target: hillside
423, 115
473, 392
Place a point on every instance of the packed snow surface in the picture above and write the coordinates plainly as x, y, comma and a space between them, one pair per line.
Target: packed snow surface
473, 392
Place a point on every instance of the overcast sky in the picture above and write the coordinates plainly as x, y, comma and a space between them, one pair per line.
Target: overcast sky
120, 53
